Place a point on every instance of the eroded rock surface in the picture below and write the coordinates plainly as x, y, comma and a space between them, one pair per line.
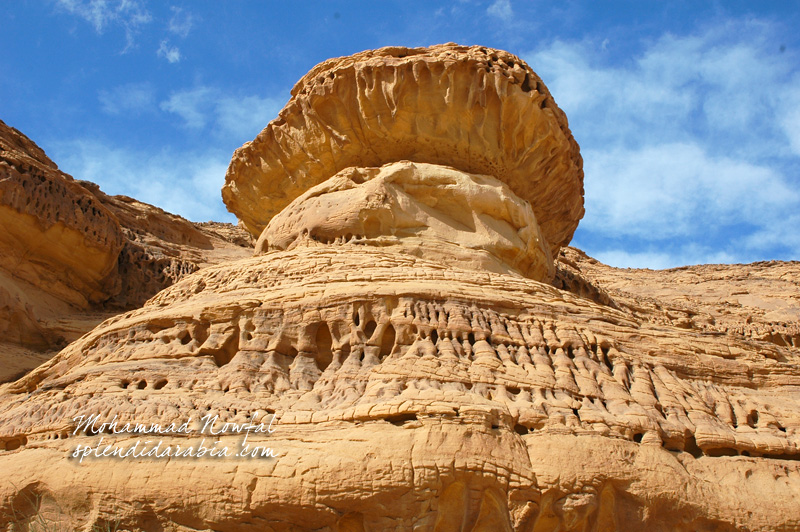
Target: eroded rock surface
71, 256
470, 393
480, 110
428, 367
421, 209
759, 300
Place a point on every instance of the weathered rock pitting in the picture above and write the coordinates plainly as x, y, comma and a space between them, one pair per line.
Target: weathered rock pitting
71, 255
430, 366
479, 110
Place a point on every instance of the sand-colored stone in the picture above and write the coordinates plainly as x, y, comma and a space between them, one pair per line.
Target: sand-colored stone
428, 368
562, 410
424, 210
72, 256
759, 300
480, 110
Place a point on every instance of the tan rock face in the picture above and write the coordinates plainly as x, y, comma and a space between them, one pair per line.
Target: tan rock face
427, 210
470, 393
55, 233
476, 109
399, 322
71, 256
760, 301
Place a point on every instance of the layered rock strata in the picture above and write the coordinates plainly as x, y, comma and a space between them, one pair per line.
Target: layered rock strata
71, 256
760, 301
400, 322
470, 394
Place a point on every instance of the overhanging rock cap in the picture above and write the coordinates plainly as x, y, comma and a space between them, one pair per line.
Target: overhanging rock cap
474, 108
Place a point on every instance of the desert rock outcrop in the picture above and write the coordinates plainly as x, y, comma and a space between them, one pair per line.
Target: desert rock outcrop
425, 210
431, 355
71, 256
480, 110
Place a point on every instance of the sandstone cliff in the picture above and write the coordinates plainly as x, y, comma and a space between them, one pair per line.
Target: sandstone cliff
433, 355
71, 256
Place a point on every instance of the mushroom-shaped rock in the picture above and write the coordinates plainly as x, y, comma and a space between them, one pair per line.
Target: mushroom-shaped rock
425, 210
479, 110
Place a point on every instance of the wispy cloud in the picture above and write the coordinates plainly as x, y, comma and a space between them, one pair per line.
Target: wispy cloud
168, 52
181, 22
237, 117
185, 183
692, 142
790, 118
130, 15
659, 260
246, 116
131, 98
193, 106
501, 9
675, 190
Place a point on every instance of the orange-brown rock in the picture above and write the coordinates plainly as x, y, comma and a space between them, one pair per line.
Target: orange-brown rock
71, 256
500, 396
427, 364
480, 110
56, 234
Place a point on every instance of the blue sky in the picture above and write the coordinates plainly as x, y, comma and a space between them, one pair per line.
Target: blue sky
687, 113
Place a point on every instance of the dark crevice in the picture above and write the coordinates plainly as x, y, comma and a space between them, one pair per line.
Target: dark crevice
387, 341
369, 328
526, 84
400, 419
324, 342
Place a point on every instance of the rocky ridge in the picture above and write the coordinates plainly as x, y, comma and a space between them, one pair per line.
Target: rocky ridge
433, 356
71, 255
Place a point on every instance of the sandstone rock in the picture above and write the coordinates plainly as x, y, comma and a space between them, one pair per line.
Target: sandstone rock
759, 300
71, 256
428, 368
501, 397
425, 210
479, 110
162, 247
56, 234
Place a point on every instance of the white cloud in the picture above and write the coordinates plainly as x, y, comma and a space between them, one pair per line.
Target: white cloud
501, 9
131, 98
181, 22
193, 106
695, 138
247, 116
235, 117
659, 260
726, 81
790, 118
783, 234
183, 183
170, 53
131, 15
674, 190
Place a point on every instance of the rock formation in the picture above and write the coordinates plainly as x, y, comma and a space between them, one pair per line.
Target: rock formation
433, 357
479, 110
71, 256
